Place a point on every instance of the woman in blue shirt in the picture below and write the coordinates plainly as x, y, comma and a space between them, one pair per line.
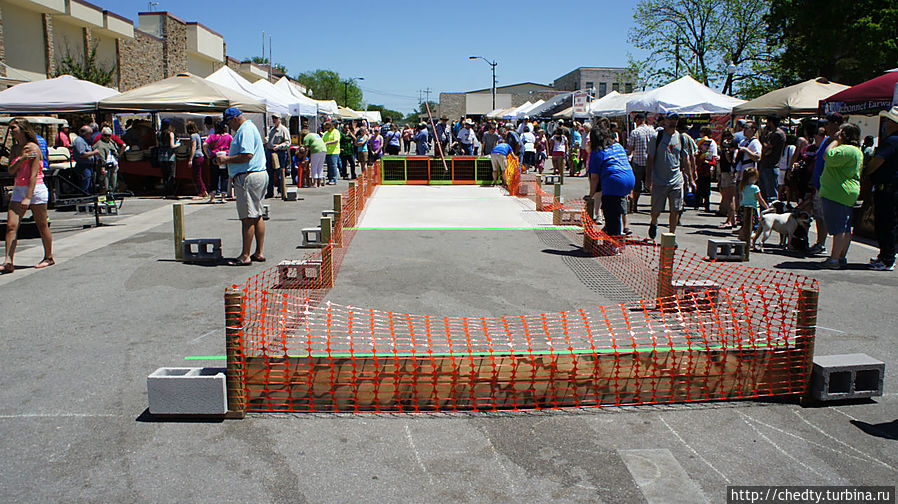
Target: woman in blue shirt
609, 172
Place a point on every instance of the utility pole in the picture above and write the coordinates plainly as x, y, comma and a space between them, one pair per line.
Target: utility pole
427, 95
270, 61
492, 65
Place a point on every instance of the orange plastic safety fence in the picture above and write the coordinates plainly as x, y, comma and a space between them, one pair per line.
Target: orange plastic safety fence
719, 331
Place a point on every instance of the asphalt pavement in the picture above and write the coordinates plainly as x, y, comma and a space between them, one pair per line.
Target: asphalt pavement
81, 337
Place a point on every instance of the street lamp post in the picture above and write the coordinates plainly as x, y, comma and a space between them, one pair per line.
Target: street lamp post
346, 89
728, 85
492, 65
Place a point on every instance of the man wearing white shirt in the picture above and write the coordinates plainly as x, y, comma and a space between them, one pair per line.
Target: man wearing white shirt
277, 147
529, 141
466, 138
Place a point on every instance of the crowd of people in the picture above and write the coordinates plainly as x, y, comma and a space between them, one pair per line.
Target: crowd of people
818, 170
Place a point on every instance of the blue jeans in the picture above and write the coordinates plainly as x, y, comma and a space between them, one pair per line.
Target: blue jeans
86, 172
332, 161
467, 149
767, 181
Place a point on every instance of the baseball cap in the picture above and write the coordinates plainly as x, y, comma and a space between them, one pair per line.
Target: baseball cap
673, 115
230, 113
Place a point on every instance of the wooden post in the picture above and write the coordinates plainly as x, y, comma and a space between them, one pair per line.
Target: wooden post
665, 265
236, 371
338, 220
351, 208
805, 334
283, 183
326, 229
748, 216
556, 210
589, 243
360, 196
539, 192
178, 219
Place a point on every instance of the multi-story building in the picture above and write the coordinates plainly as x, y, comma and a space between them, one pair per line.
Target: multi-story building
480, 101
35, 36
602, 80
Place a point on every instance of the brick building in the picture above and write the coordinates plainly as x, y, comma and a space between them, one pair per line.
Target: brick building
36, 34
480, 101
602, 80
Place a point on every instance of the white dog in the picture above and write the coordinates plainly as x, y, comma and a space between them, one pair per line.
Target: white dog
783, 223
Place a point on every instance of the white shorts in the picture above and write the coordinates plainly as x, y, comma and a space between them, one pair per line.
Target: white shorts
41, 194
316, 165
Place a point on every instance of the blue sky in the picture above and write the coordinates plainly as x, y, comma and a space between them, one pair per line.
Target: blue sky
403, 47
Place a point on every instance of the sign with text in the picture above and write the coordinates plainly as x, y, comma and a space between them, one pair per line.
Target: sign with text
581, 105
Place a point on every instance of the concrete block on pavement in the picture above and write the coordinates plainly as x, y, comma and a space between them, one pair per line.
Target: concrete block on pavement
847, 376
187, 391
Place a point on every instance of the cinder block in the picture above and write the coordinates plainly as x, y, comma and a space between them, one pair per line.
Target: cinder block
88, 208
187, 391
329, 213
266, 212
202, 250
696, 294
847, 376
726, 250
299, 274
311, 237
550, 179
292, 194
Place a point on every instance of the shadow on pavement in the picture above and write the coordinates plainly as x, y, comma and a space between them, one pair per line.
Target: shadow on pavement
884, 430
147, 417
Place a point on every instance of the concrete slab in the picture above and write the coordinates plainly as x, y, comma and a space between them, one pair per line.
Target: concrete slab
446, 207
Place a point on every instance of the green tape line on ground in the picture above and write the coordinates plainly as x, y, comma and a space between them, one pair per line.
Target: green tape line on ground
472, 228
622, 350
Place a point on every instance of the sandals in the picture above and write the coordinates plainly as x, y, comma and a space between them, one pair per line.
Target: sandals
235, 262
45, 262
7, 268
256, 258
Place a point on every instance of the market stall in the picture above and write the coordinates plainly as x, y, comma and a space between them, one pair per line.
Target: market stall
800, 99
685, 96
59, 95
183, 93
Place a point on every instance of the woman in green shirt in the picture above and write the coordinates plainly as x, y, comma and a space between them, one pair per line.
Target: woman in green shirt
840, 186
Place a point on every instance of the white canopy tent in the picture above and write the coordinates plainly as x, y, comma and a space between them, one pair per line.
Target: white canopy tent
683, 96
613, 104
373, 116
525, 112
62, 94
511, 114
498, 113
268, 90
322, 106
230, 79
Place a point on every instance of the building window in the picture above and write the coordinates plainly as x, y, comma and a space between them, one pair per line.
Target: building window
616, 87
628, 87
603, 89
590, 85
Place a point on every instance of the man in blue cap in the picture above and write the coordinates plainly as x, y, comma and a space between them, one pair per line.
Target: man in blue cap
246, 168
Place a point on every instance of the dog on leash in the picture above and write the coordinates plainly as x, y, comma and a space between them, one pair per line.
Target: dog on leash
788, 225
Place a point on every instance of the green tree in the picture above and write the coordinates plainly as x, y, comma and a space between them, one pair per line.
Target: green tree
328, 85
420, 113
701, 38
88, 69
259, 60
846, 43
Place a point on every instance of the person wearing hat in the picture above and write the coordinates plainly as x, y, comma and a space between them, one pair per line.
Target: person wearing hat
109, 153
246, 168
883, 172
667, 160
466, 137
166, 143
278, 148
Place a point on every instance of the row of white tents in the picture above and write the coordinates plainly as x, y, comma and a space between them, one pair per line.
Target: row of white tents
182, 93
686, 96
